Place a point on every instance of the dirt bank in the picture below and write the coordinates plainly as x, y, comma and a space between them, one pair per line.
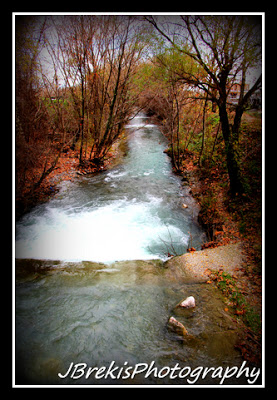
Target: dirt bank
197, 264
231, 259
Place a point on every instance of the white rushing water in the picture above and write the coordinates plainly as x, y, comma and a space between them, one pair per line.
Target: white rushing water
131, 212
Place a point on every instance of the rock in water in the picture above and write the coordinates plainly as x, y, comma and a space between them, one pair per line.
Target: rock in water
189, 302
177, 327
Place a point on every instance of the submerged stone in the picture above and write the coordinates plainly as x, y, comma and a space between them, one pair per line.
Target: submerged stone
176, 326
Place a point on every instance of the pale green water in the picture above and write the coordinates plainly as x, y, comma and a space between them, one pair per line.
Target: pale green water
95, 314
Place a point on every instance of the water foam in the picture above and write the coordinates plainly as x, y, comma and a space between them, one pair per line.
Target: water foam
118, 231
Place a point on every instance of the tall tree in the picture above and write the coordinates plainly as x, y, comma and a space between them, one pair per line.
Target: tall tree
224, 48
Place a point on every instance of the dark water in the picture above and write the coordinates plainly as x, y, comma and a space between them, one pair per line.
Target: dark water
86, 307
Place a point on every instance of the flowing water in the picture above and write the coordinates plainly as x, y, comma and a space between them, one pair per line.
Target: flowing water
81, 294
131, 212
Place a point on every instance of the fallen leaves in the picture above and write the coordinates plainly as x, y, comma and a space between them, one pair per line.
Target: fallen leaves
191, 250
235, 298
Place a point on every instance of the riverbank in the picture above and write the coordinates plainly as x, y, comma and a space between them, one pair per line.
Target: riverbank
225, 267
225, 219
232, 257
67, 169
233, 221
229, 220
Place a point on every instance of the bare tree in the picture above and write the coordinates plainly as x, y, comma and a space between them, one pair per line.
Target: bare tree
34, 147
97, 58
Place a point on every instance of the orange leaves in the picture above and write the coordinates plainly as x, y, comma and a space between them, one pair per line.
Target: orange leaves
240, 312
191, 250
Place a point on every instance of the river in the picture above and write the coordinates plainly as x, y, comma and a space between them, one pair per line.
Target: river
82, 296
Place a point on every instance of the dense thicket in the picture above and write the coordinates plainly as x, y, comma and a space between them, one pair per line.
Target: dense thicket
74, 89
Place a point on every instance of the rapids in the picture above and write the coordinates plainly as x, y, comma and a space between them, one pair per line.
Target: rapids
131, 212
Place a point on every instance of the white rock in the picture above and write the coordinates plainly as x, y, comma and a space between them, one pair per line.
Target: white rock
189, 302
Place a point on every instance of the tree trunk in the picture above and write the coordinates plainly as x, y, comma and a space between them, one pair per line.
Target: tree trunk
236, 186
82, 122
203, 130
237, 121
230, 141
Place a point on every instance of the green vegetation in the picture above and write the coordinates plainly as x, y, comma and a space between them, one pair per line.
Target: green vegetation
235, 300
